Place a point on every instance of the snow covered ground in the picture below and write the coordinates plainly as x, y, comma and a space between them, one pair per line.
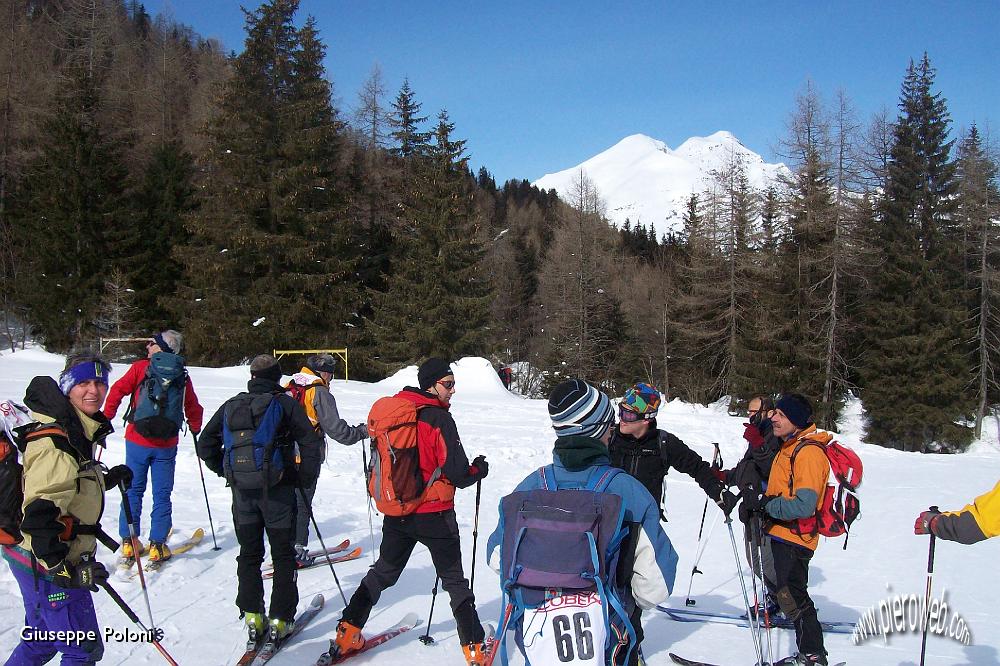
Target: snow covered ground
193, 597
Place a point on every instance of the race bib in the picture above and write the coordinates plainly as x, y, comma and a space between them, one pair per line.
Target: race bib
567, 629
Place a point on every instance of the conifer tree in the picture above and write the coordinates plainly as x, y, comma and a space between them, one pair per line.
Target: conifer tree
915, 369
266, 263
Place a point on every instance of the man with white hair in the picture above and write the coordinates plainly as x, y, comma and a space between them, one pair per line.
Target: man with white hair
162, 396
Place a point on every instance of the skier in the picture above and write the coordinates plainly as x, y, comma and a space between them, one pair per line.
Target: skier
433, 524
753, 470
583, 418
973, 523
794, 492
150, 457
311, 385
647, 453
264, 500
63, 500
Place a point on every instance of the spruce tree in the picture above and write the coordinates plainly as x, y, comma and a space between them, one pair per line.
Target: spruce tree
266, 264
915, 369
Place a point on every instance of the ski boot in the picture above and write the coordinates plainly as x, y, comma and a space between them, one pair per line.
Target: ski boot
128, 553
256, 632
277, 632
158, 552
474, 654
803, 659
349, 639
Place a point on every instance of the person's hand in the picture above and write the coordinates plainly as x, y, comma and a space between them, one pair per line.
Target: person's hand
481, 466
118, 474
363, 427
755, 501
924, 523
87, 575
753, 436
726, 501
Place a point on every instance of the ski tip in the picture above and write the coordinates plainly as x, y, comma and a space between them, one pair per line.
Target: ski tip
318, 600
411, 619
198, 534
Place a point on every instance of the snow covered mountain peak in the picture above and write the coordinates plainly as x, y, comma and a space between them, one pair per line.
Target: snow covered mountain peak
642, 179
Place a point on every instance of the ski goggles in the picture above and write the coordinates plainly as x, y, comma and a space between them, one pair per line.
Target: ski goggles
448, 383
626, 415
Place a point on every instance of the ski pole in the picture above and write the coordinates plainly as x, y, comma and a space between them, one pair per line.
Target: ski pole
746, 599
763, 584
927, 593
716, 460
475, 536
204, 489
135, 549
155, 635
371, 530
319, 535
427, 639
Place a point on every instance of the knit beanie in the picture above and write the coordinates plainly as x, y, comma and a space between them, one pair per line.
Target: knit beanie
796, 408
577, 408
266, 366
432, 370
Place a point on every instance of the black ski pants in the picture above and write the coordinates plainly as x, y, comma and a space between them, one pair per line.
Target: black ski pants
791, 570
253, 517
439, 533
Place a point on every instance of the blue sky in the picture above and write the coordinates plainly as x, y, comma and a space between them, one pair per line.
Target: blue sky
537, 87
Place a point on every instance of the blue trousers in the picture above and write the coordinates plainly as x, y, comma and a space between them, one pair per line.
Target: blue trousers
158, 465
51, 608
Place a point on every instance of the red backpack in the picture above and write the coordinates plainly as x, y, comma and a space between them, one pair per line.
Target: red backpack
395, 480
841, 505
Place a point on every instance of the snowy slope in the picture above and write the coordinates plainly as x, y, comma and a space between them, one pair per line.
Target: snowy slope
193, 597
643, 180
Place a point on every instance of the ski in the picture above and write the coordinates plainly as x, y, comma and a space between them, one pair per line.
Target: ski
409, 622
353, 555
689, 615
263, 652
688, 662
179, 549
342, 546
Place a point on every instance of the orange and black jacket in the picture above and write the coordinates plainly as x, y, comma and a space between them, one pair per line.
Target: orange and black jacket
975, 522
798, 492
439, 446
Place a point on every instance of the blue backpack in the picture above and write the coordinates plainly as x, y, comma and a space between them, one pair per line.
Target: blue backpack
560, 572
252, 460
157, 410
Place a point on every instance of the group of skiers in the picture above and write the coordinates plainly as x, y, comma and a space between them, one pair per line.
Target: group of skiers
576, 568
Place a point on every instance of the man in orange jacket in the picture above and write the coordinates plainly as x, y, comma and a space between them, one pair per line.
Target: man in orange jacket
795, 490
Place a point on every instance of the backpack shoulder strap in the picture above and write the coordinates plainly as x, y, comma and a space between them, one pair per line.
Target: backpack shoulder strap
791, 464
548, 478
600, 479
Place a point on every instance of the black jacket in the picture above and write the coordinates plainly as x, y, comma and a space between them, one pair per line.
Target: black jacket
648, 459
295, 428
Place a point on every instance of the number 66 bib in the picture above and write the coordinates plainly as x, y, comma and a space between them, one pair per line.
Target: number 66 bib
568, 629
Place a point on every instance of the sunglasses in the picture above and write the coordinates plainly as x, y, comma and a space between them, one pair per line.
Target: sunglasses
448, 384
628, 416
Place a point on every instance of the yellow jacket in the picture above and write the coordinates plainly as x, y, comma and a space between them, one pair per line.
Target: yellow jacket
975, 522
805, 486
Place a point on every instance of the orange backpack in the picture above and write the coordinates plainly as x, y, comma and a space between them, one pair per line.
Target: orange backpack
395, 481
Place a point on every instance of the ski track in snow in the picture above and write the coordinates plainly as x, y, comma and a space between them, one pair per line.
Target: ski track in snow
192, 597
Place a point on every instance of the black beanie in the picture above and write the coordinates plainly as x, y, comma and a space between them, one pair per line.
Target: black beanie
432, 370
266, 366
796, 408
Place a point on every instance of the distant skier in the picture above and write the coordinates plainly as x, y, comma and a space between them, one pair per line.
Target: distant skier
264, 418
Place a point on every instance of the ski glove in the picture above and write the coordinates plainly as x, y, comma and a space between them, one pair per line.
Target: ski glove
753, 436
925, 522
755, 501
118, 474
727, 502
86, 576
481, 466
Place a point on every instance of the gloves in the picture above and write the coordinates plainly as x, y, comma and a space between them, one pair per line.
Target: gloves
753, 436
925, 522
755, 501
86, 576
721, 474
481, 467
727, 502
118, 474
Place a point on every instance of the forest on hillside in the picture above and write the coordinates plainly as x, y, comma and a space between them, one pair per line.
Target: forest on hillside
150, 180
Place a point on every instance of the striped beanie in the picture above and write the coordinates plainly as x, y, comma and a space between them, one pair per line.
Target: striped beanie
577, 408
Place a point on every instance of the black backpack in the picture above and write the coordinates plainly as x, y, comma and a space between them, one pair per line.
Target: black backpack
252, 458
